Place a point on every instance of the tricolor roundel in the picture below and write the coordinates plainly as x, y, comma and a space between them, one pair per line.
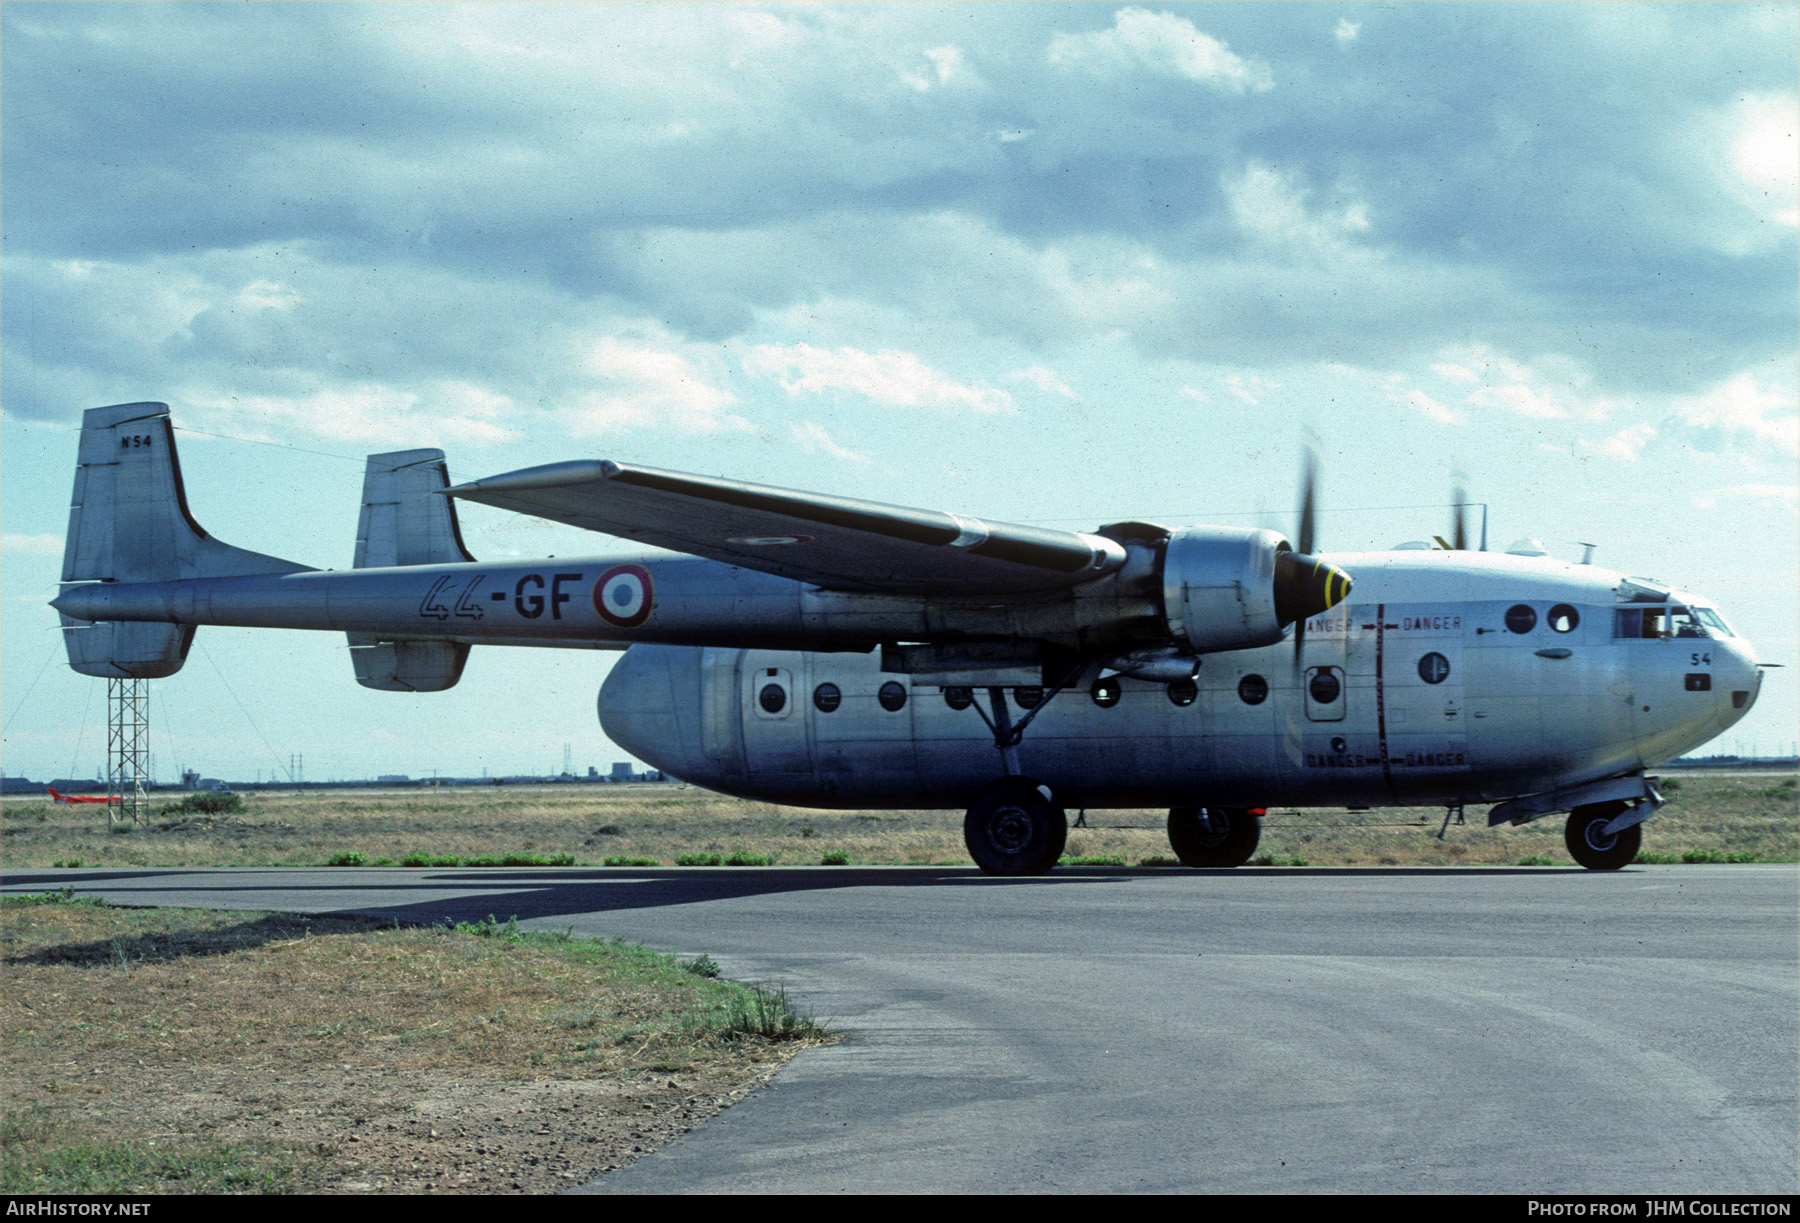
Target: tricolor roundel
624, 595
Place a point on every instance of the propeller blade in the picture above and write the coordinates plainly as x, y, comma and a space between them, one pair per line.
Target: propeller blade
1309, 480
1459, 501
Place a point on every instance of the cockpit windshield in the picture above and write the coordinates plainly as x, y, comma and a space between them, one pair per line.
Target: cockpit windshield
1714, 622
1674, 621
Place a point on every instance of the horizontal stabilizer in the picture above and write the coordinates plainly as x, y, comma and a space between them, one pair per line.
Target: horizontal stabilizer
837, 542
406, 666
126, 649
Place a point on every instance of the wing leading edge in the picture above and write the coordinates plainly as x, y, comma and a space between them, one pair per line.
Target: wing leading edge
838, 542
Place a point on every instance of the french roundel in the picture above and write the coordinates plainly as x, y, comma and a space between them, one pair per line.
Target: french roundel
624, 595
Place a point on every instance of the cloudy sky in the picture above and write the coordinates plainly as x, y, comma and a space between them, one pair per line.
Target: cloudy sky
1049, 263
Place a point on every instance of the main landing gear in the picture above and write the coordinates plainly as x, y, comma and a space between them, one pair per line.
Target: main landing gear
1016, 826
1214, 836
1595, 848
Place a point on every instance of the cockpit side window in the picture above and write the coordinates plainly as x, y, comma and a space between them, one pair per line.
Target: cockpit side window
1640, 622
1682, 623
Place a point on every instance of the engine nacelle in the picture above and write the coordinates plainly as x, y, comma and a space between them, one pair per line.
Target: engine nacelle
1219, 588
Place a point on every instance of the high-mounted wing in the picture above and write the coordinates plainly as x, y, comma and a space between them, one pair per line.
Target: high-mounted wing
837, 542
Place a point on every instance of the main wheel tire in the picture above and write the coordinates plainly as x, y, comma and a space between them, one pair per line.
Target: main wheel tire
1015, 828
1597, 850
1230, 841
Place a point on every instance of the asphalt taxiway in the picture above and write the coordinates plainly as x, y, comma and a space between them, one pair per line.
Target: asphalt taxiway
1395, 1030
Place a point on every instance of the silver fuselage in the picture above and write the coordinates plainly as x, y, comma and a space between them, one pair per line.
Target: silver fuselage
1503, 713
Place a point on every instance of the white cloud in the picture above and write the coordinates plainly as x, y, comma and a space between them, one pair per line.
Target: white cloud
1431, 408
368, 413
1774, 494
1196, 394
651, 388
813, 439
1765, 153
31, 545
1044, 379
1625, 445
1271, 205
1164, 44
897, 379
1555, 388
1742, 406
1250, 389
1347, 30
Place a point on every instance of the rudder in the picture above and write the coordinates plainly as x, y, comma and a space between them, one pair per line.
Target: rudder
129, 522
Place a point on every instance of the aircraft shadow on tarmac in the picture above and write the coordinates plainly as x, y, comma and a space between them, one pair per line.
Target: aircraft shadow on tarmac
544, 893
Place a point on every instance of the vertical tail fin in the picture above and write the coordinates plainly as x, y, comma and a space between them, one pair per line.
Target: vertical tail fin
405, 522
129, 522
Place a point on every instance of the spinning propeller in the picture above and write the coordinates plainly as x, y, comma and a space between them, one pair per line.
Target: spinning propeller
1304, 584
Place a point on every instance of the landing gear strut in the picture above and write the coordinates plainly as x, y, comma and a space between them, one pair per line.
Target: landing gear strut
1595, 848
1213, 836
1016, 826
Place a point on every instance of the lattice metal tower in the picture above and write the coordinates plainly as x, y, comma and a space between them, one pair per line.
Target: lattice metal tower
128, 749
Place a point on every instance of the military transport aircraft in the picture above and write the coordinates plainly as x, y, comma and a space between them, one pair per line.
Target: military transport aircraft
825, 651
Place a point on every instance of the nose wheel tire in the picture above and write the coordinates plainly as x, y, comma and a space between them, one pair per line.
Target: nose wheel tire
1227, 838
1015, 828
1597, 850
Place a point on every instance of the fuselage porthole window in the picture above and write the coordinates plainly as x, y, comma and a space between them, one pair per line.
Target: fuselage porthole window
826, 698
1184, 692
1563, 618
1521, 618
1324, 687
1434, 668
892, 696
773, 698
1028, 698
1106, 692
1253, 690
959, 698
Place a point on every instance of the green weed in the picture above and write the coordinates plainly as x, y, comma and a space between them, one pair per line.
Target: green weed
699, 860
835, 860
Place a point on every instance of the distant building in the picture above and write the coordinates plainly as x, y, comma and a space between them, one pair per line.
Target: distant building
395, 779
621, 771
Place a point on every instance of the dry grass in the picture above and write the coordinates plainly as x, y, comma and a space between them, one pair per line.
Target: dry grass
159, 1050
1729, 813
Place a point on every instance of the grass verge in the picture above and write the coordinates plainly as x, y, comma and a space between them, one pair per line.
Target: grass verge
146, 1051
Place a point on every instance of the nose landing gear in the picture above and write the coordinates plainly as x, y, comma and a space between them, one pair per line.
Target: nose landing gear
1592, 845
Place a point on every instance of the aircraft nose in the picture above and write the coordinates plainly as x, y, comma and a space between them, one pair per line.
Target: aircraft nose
1740, 678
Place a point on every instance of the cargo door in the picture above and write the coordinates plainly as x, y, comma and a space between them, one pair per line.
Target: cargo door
777, 742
